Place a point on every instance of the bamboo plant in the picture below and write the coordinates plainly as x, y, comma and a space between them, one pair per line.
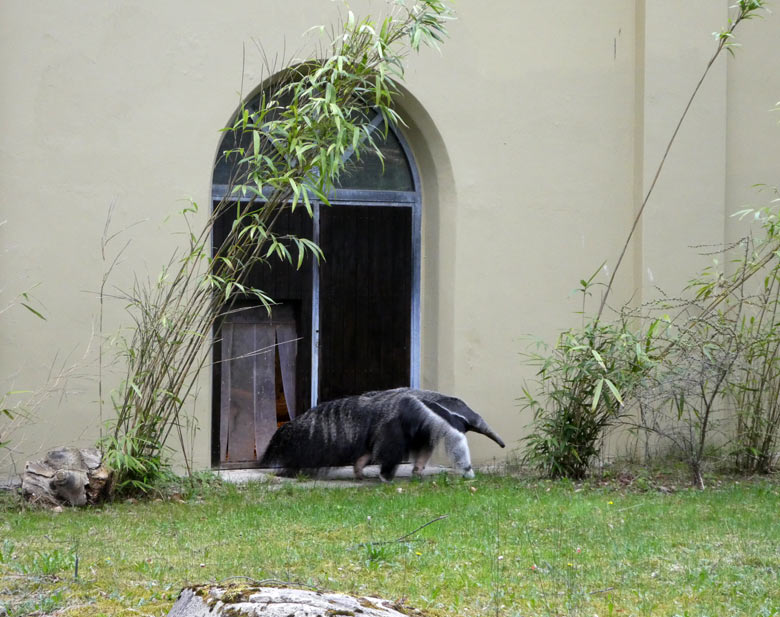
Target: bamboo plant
290, 147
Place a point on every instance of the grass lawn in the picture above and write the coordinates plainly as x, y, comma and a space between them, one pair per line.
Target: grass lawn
507, 547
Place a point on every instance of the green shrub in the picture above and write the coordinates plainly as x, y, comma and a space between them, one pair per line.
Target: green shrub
137, 462
581, 378
717, 379
581, 382
754, 386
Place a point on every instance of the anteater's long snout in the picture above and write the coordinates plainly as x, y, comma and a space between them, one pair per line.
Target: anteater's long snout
489, 432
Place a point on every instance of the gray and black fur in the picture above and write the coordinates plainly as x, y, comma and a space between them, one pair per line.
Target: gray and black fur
384, 427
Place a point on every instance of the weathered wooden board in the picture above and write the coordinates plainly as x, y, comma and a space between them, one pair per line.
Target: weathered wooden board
265, 386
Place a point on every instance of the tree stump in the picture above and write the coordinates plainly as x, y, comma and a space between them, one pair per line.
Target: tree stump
67, 477
256, 601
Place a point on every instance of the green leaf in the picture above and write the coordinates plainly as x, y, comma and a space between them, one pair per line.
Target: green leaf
355, 137
307, 202
615, 391
598, 359
296, 197
136, 389
33, 311
597, 394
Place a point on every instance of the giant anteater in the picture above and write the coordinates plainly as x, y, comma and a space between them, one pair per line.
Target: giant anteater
383, 427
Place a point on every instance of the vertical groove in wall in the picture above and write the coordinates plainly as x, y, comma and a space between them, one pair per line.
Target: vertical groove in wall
727, 106
639, 144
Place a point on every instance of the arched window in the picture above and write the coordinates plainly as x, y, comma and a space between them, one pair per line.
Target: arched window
345, 326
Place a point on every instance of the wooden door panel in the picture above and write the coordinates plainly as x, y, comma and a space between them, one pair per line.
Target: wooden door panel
239, 388
265, 387
251, 344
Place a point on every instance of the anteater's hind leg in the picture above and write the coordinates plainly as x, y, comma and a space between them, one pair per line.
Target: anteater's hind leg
359, 464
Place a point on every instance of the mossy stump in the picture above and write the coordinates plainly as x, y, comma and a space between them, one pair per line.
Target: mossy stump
250, 600
67, 477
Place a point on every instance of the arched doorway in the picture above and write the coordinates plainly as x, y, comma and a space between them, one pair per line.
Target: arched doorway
344, 326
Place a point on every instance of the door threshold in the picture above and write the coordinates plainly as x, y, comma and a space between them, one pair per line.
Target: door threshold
328, 474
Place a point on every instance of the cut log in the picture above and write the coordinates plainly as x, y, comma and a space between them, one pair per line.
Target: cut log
255, 600
67, 477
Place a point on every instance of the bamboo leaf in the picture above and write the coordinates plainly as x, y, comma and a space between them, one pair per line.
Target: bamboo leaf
599, 359
615, 391
33, 311
307, 202
597, 394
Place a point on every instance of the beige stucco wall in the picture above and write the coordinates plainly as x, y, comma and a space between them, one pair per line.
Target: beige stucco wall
753, 136
537, 130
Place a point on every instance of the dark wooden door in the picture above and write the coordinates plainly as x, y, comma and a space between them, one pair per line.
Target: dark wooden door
365, 299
